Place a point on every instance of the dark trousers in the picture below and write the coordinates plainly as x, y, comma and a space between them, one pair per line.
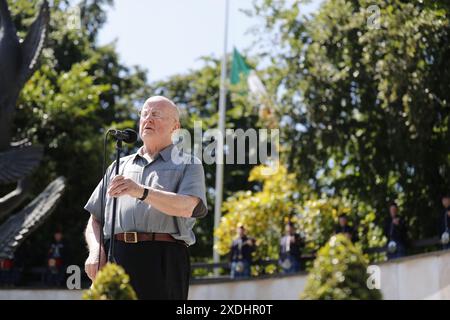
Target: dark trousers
292, 266
158, 270
240, 269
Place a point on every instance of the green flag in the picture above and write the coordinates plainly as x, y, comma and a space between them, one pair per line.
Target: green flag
257, 92
238, 68
241, 70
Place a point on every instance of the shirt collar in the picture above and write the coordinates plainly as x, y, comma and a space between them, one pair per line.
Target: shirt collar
165, 153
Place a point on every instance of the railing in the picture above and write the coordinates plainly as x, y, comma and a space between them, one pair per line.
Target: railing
225, 266
417, 244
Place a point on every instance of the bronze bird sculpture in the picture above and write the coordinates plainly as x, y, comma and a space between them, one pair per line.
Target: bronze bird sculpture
17, 63
18, 60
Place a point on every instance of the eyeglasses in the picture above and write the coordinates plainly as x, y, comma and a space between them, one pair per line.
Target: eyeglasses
144, 114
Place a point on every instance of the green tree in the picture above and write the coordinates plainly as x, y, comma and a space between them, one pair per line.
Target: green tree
263, 213
339, 273
283, 198
366, 111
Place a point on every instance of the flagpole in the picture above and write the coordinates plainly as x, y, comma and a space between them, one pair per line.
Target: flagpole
219, 149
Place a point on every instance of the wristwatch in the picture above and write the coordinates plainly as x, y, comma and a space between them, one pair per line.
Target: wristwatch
144, 196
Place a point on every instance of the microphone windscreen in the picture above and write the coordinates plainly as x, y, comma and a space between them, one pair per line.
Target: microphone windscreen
131, 136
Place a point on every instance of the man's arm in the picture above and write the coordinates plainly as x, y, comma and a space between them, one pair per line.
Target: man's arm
252, 244
280, 246
92, 236
233, 248
170, 203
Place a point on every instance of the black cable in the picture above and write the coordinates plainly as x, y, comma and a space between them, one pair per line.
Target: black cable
102, 201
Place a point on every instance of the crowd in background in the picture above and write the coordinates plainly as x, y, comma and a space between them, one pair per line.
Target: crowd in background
292, 243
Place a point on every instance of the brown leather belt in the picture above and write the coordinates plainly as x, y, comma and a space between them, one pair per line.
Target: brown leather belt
135, 237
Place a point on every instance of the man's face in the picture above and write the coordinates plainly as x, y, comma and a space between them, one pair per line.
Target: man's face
393, 211
446, 202
157, 120
289, 229
241, 231
342, 221
58, 236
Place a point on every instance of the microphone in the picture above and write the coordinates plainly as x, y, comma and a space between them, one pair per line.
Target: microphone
127, 135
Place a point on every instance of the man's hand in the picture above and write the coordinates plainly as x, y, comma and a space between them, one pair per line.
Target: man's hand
121, 186
91, 264
396, 220
170, 203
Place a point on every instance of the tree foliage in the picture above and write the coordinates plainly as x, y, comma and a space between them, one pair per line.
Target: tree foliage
283, 198
365, 108
263, 213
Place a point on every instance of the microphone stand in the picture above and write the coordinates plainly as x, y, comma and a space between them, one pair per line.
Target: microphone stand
111, 258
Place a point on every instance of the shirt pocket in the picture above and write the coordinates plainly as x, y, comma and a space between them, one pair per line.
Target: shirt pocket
134, 173
166, 180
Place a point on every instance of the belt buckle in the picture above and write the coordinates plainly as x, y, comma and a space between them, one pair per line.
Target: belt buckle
125, 237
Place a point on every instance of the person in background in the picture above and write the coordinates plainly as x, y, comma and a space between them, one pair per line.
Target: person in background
444, 220
241, 254
396, 233
344, 228
8, 273
291, 245
56, 260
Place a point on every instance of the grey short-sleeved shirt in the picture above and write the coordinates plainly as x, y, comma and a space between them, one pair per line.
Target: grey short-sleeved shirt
170, 171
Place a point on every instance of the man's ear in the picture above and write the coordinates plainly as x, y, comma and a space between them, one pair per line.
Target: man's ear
177, 126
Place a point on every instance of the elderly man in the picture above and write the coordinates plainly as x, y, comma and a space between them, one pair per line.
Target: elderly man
159, 198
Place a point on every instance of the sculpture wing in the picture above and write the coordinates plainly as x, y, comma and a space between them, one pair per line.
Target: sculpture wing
5, 16
33, 44
17, 163
17, 227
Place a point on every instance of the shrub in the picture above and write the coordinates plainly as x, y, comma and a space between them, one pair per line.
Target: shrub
111, 283
339, 272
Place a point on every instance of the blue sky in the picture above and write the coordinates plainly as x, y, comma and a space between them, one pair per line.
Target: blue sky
168, 36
